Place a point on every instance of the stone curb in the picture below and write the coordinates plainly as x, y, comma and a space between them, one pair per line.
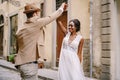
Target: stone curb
7, 65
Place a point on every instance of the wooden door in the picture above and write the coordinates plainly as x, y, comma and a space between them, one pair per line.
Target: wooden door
60, 36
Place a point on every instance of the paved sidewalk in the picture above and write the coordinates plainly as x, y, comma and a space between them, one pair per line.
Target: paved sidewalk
52, 74
7, 64
48, 73
9, 72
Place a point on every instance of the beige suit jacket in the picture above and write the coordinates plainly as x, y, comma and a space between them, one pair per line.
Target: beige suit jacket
28, 36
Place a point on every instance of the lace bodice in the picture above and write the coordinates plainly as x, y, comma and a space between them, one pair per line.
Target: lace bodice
73, 46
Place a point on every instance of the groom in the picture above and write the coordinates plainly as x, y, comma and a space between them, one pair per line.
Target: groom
27, 38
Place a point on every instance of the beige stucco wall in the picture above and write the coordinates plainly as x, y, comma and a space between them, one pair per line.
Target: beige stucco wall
49, 6
115, 40
80, 9
117, 59
118, 36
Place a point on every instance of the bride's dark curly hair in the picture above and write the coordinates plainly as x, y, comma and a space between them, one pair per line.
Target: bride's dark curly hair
76, 23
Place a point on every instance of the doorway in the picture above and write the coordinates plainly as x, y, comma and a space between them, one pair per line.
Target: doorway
60, 36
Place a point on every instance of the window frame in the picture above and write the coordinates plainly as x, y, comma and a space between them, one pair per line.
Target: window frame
13, 49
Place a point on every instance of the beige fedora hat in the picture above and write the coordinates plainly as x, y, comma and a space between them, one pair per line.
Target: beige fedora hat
31, 8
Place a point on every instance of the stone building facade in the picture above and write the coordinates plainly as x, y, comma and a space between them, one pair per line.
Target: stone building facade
100, 28
12, 17
106, 40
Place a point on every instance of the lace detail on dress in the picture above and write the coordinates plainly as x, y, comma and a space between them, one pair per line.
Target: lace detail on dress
73, 46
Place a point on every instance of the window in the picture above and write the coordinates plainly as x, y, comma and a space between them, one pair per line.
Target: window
3, 1
59, 2
1, 34
1, 19
1, 40
13, 26
42, 10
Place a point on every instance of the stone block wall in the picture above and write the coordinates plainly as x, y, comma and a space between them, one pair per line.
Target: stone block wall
86, 57
101, 15
105, 40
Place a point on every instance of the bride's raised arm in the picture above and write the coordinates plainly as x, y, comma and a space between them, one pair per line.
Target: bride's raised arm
62, 27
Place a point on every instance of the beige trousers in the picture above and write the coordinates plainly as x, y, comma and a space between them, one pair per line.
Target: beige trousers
29, 71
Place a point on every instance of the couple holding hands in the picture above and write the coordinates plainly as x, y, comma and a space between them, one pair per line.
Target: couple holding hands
27, 38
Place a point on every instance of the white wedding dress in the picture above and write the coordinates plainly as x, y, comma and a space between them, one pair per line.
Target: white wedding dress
69, 65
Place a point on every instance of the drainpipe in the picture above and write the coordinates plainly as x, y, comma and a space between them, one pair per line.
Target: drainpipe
91, 40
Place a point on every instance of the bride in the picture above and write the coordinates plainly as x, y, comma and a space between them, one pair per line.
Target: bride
71, 52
